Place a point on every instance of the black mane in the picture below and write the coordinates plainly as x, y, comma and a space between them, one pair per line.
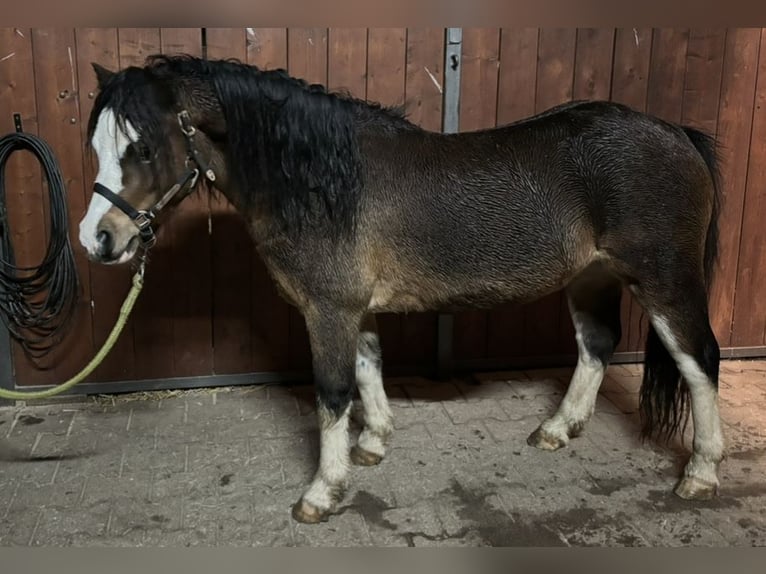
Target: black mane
293, 140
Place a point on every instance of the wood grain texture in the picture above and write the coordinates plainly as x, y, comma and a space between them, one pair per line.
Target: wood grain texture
735, 119
749, 316
347, 61
23, 179
58, 114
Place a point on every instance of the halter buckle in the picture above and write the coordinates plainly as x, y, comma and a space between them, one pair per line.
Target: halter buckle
143, 219
185, 122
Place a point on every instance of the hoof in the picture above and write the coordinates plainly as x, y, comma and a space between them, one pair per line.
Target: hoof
691, 488
545, 441
307, 513
362, 457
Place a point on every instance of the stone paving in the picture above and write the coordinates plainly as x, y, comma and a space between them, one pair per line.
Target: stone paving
223, 467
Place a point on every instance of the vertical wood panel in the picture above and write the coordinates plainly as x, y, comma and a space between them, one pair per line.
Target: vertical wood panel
704, 67
702, 88
667, 73
347, 61
386, 64
307, 54
189, 226
555, 76
630, 84
515, 100
593, 63
231, 249
136, 44
478, 110
749, 321
517, 80
306, 59
109, 284
152, 317
630, 72
425, 77
55, 54
267, 48
23, 180
735, 116
270, 318
423, 100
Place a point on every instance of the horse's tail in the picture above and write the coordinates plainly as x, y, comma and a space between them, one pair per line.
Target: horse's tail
664, 398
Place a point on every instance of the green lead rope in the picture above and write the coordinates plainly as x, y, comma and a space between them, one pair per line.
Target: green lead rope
127, 307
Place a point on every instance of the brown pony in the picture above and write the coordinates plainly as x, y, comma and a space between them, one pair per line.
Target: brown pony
355, 210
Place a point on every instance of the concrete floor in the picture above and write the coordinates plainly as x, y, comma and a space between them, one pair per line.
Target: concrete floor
224, 467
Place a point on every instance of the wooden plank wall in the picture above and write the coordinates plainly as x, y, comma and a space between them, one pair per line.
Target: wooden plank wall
209, 306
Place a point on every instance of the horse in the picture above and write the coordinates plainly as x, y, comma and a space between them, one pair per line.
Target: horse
355, 210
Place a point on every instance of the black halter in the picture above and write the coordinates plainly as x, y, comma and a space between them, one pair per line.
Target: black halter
142, 218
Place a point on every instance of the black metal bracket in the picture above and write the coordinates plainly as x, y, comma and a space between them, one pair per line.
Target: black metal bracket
17, 123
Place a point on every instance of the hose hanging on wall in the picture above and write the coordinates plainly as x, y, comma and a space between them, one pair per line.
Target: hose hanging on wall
37, 302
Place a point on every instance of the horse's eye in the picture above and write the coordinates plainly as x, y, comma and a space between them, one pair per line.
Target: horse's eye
143, 153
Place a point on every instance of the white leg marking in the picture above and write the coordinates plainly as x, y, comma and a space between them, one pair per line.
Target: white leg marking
109, 143
334, 463
378, 419
708, 438
579, 402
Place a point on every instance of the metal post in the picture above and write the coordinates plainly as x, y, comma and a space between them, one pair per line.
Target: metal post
450, 125
451, 110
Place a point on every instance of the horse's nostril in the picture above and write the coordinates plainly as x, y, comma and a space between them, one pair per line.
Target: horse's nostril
105, 242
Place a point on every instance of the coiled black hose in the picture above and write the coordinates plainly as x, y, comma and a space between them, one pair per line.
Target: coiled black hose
37, 302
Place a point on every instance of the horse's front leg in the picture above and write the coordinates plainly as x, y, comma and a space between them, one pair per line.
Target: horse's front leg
333, 338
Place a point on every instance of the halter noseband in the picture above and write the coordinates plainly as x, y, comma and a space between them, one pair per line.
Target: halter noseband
142, 218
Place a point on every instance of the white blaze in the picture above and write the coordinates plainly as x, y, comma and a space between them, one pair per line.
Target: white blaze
109, 143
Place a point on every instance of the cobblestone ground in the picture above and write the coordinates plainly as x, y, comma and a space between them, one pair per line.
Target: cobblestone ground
224, 467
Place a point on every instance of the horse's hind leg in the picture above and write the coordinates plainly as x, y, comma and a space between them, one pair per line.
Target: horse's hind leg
681, 325
334, 338
378, 420
594, 303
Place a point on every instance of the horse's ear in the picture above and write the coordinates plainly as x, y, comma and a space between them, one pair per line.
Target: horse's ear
102, 74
